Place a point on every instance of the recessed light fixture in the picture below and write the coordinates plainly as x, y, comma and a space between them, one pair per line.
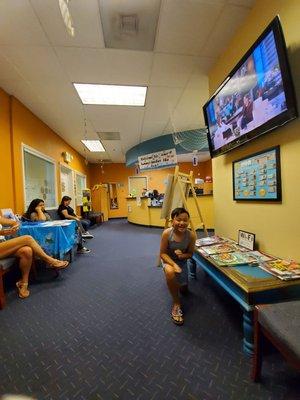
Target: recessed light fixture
112, 95
93, 145
65, 13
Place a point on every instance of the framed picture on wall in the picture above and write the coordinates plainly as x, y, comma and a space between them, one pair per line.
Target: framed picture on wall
257, 177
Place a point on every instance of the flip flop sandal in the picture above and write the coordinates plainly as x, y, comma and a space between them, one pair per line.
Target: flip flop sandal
177, 316
22, 288
64, 265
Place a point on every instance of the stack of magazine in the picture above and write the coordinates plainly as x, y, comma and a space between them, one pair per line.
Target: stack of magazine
209, 240
226, 252
283, 269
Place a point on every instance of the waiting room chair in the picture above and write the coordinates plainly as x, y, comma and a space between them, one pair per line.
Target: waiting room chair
280, 324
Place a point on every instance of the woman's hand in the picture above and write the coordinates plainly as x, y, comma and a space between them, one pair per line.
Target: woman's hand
11, 230
179, 254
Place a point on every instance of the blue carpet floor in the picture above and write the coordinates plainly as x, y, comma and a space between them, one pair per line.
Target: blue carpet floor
102, 330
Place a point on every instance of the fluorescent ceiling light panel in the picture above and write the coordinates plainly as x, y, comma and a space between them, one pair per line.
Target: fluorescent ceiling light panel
112, 95
63, 5
93, 145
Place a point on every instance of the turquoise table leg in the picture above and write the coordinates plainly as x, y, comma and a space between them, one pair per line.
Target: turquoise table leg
192, 267
248, 341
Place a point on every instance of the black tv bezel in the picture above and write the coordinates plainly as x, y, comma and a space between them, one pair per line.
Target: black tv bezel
277, 121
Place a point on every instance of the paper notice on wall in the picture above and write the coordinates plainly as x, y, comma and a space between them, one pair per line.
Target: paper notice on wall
160, 159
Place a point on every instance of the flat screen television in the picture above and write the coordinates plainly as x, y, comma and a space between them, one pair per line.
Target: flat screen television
256, 97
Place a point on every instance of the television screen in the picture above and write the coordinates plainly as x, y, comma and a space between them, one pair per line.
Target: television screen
256, 97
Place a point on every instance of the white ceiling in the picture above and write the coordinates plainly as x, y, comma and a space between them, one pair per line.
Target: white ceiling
39, 61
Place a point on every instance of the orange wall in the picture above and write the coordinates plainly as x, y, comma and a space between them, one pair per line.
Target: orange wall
6, 174
19, 125
114, 173
30, 130
119, 173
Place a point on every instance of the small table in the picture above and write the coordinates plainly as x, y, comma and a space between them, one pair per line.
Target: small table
55, 237
249, 285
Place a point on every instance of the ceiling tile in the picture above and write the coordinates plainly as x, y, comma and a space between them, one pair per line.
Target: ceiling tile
19, 25
231, 17
86, 20
7, 70
105, 66
34, 63
184, 26
151, 129
172, 70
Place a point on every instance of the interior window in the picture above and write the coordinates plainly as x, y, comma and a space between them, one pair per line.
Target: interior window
39, 178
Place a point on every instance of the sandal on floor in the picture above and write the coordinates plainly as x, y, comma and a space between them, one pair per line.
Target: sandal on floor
61, 265
177, 316
22, 288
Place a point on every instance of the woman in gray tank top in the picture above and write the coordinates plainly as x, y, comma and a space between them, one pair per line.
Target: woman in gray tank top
177, 246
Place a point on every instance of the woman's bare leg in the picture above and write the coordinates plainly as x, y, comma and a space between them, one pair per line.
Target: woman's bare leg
10, 247
171, 283
25, 256
174, 291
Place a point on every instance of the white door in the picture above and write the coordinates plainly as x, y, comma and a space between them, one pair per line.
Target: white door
67, 184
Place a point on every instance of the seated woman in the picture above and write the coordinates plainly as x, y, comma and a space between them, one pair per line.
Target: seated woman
25, 248
67, 212
36, 211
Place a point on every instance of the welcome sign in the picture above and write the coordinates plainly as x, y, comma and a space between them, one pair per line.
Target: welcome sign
160, 159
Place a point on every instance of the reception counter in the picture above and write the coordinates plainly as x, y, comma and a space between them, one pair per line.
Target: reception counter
144, 214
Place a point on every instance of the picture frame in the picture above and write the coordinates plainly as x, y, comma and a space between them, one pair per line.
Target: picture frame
257, 176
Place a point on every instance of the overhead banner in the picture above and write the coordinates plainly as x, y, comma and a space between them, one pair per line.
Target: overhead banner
160, 159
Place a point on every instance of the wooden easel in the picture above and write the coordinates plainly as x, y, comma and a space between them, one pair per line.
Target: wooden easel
182, 179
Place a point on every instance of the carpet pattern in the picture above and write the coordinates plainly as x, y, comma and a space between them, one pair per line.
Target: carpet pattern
102, 330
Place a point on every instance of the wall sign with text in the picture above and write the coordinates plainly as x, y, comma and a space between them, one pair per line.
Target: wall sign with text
257, 177
160, 159
246, 239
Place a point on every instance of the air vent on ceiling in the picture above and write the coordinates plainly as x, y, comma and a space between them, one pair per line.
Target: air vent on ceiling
128, 23
109, 135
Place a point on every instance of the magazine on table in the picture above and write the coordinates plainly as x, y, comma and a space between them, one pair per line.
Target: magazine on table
233, 258
282, 269
209, 240
260, 257
225, 247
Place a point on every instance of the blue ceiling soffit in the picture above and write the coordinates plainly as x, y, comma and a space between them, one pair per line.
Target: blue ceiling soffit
184, 142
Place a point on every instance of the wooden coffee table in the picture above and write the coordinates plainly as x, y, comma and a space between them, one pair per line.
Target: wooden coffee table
249, 285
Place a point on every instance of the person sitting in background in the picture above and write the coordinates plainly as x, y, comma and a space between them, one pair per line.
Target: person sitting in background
36, 211
24, 248
67, 212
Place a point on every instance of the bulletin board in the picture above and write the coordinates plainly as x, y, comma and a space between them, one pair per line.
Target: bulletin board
257, 177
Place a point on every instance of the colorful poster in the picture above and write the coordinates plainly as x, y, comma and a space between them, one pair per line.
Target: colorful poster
257, 177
